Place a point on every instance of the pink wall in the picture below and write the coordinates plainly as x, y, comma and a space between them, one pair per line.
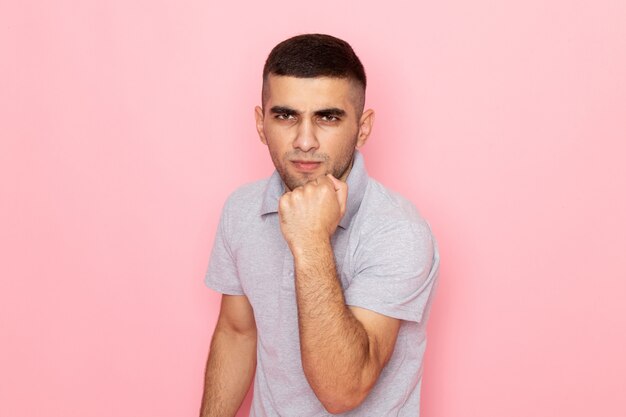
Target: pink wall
125, 124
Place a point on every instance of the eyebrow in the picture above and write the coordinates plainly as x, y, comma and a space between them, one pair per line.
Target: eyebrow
283, 110
331, 111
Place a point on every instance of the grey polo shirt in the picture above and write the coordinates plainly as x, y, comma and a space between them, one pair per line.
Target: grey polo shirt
387, 261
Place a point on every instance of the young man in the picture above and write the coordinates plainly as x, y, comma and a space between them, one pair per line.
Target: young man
326, 276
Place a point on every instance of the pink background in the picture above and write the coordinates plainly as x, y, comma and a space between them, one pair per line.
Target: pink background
125, 124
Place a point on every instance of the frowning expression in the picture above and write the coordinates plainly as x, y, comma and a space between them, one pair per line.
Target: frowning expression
312, 126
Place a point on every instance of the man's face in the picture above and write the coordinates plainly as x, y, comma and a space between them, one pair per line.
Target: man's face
312, 126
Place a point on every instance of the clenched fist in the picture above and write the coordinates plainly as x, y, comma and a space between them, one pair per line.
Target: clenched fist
312, 212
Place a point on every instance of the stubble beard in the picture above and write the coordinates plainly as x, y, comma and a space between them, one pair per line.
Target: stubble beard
295, 180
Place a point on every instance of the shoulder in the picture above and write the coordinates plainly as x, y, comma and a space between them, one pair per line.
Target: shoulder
246, 192
389, 226
393, 256
242, 204
384, 209
245, 197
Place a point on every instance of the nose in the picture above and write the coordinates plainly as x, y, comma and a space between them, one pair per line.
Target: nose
306, 139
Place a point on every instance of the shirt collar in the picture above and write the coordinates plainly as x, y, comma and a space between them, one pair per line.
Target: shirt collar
357, 183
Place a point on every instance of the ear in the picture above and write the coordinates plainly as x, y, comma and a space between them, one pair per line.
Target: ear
258, 115
365, 127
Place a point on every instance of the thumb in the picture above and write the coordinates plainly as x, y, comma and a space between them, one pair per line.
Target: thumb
341, 188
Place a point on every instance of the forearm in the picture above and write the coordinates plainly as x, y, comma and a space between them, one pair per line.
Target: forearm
335, 347
229, 372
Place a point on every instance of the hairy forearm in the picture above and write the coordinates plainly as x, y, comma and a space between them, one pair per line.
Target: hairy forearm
334, 345
229, 372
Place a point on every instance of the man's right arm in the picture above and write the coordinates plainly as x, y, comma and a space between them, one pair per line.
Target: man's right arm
232, 358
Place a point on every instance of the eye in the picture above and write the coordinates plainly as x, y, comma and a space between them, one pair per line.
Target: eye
284, 116
330, 118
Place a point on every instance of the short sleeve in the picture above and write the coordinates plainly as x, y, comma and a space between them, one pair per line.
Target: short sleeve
395, 270
222, 274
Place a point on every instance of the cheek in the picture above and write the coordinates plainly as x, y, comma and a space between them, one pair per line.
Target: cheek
343, 139
277, 147
277, 136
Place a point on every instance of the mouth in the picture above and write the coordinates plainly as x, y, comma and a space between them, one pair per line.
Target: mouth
306, 166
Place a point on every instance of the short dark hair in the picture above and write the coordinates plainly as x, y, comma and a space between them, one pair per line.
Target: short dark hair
314, 55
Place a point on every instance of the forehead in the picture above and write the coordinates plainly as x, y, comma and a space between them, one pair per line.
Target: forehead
311, 93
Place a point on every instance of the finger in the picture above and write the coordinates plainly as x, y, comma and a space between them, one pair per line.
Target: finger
341, 188
310, 183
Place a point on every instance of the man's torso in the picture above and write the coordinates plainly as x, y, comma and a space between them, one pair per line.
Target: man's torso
376, 223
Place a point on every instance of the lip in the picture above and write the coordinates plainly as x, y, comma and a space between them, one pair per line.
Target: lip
306, 166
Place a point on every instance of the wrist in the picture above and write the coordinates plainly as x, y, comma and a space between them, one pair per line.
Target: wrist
310, 244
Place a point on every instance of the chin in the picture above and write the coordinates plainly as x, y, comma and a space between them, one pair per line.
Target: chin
297, 180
